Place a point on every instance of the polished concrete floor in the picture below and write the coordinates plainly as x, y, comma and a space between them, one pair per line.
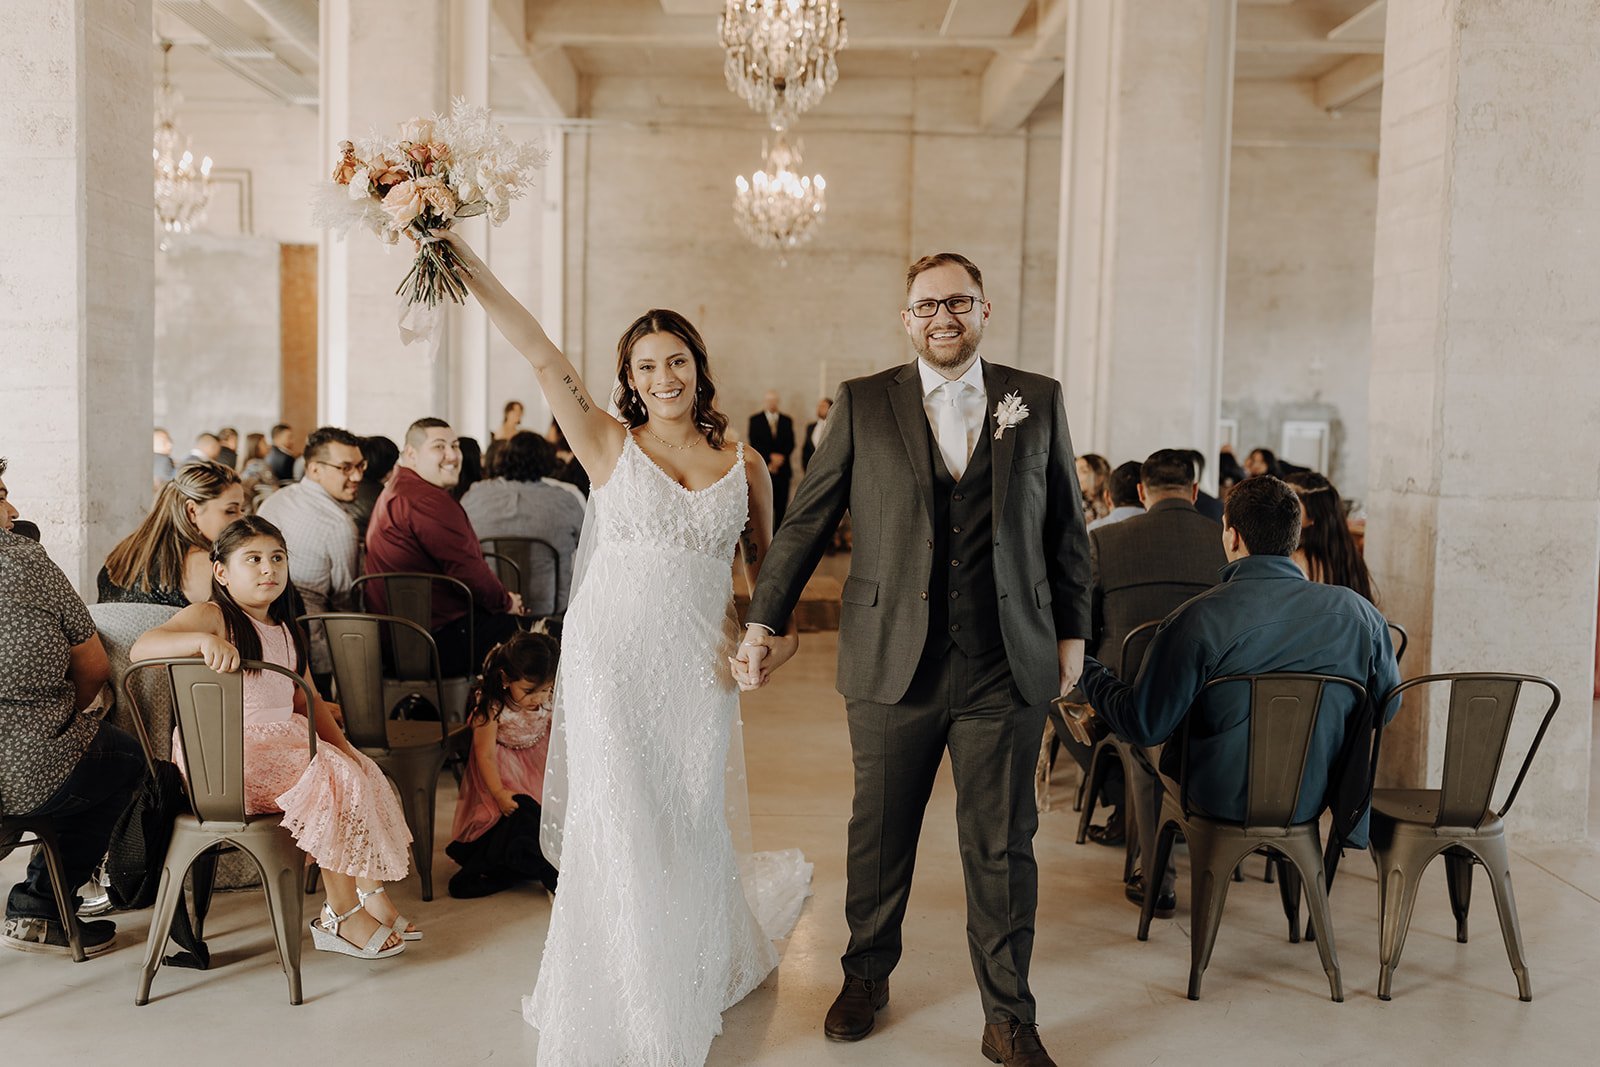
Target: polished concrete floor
1103, 996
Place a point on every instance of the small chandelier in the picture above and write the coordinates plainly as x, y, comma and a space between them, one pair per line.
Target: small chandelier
776, 207
182, 188
781, 53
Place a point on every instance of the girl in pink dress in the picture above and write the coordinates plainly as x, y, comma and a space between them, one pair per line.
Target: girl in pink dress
338, 805
496, 830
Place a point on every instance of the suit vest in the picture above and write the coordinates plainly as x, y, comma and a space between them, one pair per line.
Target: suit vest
963, 607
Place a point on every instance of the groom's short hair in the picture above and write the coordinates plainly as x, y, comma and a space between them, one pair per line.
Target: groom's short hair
939, 259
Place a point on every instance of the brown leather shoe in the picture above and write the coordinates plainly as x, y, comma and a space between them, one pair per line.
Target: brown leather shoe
1015, 1045
855, 1009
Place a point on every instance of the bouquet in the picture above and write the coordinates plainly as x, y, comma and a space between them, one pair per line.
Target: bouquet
437, 170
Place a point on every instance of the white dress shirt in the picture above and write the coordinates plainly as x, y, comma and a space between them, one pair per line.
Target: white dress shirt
955, 412
322, 543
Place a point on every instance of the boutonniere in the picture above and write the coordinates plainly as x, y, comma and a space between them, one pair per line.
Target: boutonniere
1008, 413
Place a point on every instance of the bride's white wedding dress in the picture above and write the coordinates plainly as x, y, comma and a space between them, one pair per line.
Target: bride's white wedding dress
653, 932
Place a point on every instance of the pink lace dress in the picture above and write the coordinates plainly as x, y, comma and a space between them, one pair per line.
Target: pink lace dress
522, 741
340, 808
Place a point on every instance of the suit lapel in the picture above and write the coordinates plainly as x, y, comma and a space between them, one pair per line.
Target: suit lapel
905, 396
994, 383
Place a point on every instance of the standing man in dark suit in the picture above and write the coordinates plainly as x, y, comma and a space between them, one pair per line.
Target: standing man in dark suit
1145, 568
814, 432
965, 612
772, 435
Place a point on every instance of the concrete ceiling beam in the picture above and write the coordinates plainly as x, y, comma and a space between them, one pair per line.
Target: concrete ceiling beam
1348, 82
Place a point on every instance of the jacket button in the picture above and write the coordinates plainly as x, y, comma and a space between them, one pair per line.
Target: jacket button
958, 496
924, 596
955, 563
955, 529
955, 594
930, 544
955, 626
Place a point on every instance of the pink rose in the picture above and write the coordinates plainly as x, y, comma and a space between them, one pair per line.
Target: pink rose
403, 203
418, 152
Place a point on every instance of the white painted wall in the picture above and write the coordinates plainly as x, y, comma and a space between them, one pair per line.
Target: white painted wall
277, 146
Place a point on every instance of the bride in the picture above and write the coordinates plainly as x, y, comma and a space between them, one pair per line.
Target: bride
652, 934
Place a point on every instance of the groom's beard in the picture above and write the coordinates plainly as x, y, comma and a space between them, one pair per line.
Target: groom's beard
966, 347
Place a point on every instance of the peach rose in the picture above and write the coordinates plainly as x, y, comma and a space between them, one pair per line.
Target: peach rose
418, 152
347, 165
438, 151
403, 203
441, 199
386, 173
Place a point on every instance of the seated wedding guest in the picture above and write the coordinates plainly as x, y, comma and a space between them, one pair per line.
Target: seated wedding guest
255, 474
1229, 473
337, 804
1261, 461
471, 466
284, 450
320, 533
418, 526
814, 432
1094, 472
1263, 617
55, 761
510, 421
1204, 502
522, 502
228, 437
164, 468
1143, 570
207, 449
380, 455
1328, 552
1122, 492
167, 559
568, 469
495, 836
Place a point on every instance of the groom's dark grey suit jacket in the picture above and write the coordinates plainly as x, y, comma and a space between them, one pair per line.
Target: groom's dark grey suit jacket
876, 461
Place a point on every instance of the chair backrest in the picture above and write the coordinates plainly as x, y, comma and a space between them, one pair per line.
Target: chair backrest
507, 571
409, 595
538, 565
1483, 707
120, 625
355, 642
1134, 646
1400, 639
210, 714
1284, 708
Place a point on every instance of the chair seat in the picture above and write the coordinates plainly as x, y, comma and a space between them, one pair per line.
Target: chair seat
1418, 809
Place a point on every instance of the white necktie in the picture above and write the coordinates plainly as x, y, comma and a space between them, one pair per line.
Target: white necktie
952, 428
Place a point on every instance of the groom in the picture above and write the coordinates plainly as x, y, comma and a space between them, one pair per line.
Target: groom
964, 614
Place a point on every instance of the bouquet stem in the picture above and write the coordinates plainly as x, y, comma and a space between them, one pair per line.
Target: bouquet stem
435, 273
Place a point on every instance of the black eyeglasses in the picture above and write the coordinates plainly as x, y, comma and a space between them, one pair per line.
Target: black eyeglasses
346, 469
958, 305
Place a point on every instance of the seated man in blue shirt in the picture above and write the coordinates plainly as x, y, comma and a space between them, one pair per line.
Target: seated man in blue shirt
1264, 617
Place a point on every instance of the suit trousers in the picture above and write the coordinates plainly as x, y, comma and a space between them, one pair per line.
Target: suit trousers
971, 706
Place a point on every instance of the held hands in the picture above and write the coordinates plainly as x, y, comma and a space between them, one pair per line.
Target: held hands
219, 655
1070, 652
761, 653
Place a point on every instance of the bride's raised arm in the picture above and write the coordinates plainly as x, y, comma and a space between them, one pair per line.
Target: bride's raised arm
596, 438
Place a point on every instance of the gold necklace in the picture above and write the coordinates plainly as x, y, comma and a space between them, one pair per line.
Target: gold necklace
669, 444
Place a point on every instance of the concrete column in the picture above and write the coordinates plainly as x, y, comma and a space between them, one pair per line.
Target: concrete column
383, 62
1144, 185
76, 283
1484, 500
469, 328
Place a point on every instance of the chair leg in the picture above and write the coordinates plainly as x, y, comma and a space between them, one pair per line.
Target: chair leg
418, 785
1458, 865
1091, 790
1302, 863
1077, 798
63, 893
180, 854
313, 877
1497, 858
1330, 863
281, 882
1268, 875
1289, 891
1156, 869
1397, 896
202, 878
1208, 880
1142, 793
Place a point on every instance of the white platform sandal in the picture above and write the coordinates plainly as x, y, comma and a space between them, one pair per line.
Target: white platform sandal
400, 921
325, 937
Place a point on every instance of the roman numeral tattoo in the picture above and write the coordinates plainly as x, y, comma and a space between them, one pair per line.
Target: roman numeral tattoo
577, 394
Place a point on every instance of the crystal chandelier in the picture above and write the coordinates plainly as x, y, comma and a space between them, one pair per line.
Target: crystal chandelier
182, 188
781, 53
776, 207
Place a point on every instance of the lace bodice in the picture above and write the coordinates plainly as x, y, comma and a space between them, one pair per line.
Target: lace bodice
642, 504
516, 728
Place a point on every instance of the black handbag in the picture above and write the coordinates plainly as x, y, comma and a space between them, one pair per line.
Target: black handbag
138, 850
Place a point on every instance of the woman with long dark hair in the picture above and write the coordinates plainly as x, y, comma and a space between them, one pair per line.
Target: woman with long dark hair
1327, 551
653, 933
337, 804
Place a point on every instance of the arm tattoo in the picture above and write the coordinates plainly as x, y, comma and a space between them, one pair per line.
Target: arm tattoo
577, 394
748, 540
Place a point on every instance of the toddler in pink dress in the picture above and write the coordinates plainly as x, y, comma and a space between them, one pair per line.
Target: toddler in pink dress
496, 829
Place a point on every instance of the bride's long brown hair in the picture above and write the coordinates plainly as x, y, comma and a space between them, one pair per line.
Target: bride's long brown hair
710, 421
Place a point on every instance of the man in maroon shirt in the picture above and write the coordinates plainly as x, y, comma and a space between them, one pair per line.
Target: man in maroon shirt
418, 526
